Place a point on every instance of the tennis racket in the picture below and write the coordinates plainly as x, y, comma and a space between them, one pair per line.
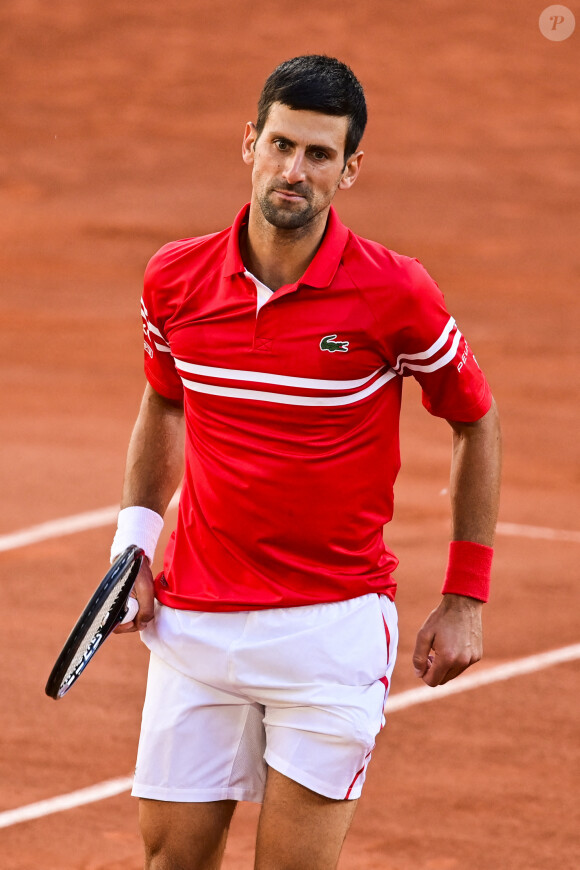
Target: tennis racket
108, 606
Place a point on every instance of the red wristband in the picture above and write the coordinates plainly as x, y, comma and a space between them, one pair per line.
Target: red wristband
468, 570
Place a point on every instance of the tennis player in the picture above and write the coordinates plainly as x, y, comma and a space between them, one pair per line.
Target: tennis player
275, 353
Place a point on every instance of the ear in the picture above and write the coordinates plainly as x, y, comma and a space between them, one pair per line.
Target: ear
351, 170
249, 142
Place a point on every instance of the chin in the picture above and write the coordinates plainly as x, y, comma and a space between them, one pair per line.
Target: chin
285, 218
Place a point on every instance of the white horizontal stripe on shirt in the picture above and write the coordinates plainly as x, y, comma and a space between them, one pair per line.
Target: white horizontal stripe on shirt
425, 354
162, 347
271, 378
285, 398
155, 331
426, 369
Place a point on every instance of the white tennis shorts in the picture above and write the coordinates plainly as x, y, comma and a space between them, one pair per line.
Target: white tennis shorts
301, 689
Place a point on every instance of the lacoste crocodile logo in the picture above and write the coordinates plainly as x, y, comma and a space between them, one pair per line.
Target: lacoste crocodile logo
329, 343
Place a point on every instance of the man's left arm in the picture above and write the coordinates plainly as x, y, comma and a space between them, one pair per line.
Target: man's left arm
450, 640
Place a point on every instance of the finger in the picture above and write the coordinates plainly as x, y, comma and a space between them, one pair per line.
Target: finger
145, 595
143, 592
142, 621
445, 670
137, 624
126, 628
422, 661
146, 610
458, 669
436, 673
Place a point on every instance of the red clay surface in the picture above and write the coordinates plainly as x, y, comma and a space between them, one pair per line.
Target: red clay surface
121, 129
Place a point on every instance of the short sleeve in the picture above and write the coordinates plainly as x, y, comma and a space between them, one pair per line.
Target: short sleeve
160, 369
430, 347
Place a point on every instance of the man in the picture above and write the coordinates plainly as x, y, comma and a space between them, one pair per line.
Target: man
276, 350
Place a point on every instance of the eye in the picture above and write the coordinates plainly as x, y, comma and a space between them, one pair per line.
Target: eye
281, 145
319, 156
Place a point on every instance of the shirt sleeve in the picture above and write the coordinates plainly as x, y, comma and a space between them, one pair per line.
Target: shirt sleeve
430, 347
160, 368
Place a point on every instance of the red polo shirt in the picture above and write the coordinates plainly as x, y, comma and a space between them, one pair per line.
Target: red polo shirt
292, 412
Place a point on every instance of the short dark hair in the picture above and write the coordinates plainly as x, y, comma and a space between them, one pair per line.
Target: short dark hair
317, 83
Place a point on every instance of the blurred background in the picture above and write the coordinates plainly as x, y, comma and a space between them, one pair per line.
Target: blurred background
121, 128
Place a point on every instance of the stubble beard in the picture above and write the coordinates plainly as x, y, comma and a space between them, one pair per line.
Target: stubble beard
286, 217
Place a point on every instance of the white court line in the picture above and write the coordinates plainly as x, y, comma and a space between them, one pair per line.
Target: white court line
107, 516
399, 701
517, 530
65, 526
484, 677
57, 528
89, 795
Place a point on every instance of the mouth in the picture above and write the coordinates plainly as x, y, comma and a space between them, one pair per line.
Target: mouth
289, 195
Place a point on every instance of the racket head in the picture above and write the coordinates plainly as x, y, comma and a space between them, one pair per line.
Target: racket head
103, 613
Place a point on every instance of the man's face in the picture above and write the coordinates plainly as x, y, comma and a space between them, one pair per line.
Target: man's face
298, 164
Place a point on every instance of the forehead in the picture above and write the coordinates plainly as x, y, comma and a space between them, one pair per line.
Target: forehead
307, 128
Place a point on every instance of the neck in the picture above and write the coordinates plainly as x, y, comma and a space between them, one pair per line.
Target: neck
277, 256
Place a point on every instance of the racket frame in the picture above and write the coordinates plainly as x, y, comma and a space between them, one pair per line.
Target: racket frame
122, 574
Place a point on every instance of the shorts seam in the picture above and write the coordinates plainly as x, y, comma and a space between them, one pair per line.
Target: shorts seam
248, 708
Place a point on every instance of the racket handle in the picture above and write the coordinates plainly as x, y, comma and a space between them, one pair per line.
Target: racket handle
132, 610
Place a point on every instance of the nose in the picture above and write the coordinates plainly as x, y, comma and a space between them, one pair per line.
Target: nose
294, 169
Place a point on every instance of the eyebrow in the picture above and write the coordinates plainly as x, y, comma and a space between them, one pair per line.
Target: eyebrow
312, 147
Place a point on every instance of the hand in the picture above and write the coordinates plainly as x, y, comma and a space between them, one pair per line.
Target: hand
449, 641
143, 591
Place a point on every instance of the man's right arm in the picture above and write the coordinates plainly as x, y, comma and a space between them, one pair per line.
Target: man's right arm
153, 472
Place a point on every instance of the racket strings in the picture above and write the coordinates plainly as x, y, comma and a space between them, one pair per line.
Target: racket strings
93, 636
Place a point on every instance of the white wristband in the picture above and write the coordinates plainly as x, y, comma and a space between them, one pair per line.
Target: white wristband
137, 525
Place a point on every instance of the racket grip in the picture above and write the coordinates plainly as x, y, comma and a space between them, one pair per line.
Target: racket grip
132, 610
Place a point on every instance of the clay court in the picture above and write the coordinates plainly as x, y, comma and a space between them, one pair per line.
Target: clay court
121, 129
